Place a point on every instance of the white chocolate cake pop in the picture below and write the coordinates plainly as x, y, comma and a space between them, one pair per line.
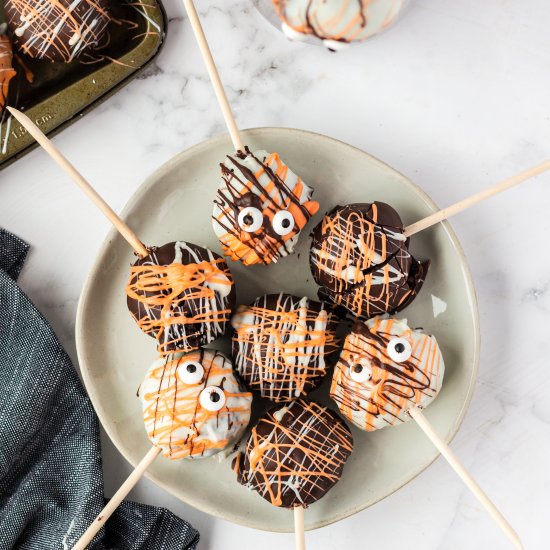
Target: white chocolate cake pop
260, 208
336, 22
384, 370
193, 405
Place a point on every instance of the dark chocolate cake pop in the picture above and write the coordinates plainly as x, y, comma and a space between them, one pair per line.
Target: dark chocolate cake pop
295, 454
57, 30
281, 344
182, 295
360, 258
6, 66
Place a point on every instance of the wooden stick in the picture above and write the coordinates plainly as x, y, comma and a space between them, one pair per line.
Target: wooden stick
466, 477
117, 498
475, 199
56, 155
214, 75
299, 530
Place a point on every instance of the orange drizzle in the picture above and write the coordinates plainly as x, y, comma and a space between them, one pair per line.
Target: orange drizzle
168, 296
295, 462
394, 387
282, 353
175, 420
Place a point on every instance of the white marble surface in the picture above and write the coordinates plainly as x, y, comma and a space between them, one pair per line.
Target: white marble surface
455, 96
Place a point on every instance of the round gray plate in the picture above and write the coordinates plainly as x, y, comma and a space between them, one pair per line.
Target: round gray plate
175, 204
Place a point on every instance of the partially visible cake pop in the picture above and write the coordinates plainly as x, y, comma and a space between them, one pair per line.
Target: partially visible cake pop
57, 30
260, 208
6, 65
336, 22
182, 295
193, 406
360, 258
281, 345
295, 454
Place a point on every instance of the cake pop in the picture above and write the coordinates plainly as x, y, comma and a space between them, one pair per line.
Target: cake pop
260, 207
182, 295
360, 258
6, 66
193, 406
386, 374
385, 369
57, 30
336, 22
281, 345
295, 454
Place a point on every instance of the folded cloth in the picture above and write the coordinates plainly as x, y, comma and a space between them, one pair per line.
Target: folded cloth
51, 482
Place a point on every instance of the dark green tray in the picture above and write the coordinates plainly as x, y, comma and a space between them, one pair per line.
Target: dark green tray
61, 93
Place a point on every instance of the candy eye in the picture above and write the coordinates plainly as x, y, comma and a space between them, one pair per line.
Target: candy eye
360, 373
212, 398
250, 219
283, 222
399, 349
191, 372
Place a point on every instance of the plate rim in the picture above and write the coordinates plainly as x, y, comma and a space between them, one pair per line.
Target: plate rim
157, 174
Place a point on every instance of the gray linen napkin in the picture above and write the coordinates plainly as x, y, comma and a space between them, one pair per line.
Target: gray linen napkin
51, 482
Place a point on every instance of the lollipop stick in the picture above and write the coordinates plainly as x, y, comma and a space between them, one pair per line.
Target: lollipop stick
470, 482
299, 531
214, 75
117, 498
56, 155
475, 199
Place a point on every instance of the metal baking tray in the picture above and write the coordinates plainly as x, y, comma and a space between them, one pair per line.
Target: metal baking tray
60, 93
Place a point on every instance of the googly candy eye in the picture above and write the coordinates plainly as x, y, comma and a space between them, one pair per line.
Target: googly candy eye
283, 222
212, 398
250, 219
191, 372
360, 372
399, 349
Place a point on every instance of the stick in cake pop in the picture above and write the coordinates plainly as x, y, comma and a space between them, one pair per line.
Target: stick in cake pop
359, 253
180, 293
261, 205
57, 30
295, 454
281, 345
336, 22
386, 373
193, 407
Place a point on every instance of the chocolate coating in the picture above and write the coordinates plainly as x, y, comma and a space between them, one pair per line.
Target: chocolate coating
281, 344
181, 294
295, 454
384, 370
57, 30
361, 260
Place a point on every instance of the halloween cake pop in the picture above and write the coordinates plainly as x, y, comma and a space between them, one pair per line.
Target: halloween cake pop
6, 67
295, 454
57, 30
281, 344
384, 370
336, 22
361, 260
260, 208
182, 295
193, 406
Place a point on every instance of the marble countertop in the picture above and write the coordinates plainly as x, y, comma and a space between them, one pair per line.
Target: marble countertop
455, 96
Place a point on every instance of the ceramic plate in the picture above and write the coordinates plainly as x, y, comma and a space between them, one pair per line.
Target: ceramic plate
175, 204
